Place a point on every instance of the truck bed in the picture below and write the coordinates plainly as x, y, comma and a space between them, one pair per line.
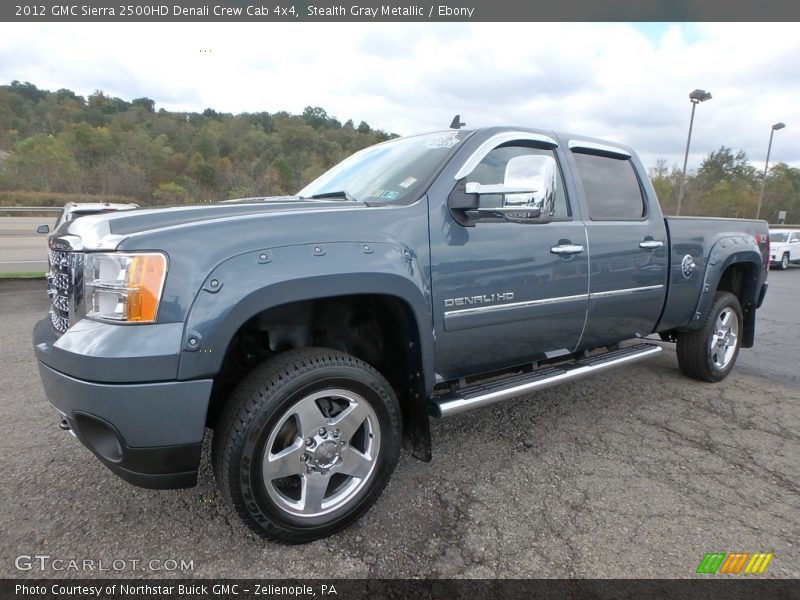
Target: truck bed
706, 243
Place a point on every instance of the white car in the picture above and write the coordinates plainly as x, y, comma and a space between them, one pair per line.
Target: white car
784, 247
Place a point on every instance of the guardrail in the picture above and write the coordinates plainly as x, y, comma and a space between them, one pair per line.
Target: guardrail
50, 209
58, 209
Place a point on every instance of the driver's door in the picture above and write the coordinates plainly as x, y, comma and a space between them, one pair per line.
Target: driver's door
509, 291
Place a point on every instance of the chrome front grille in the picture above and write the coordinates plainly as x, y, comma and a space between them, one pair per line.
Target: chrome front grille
63, 287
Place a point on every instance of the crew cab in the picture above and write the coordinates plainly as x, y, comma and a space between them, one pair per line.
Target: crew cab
419, 278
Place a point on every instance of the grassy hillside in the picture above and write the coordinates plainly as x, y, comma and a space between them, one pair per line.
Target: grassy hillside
58, 146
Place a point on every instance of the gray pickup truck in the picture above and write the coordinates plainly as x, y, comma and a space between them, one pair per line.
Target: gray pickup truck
419, 278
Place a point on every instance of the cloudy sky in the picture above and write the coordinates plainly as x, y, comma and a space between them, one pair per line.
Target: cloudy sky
626, 82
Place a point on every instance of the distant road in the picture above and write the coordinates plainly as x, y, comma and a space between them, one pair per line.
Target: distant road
22, 250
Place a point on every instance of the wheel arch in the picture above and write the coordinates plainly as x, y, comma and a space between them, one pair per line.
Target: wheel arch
735, 265
220, 312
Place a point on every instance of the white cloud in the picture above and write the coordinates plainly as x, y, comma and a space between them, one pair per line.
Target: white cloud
617, 81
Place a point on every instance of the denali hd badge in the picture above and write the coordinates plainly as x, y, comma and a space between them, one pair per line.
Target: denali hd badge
482, 299
687, 266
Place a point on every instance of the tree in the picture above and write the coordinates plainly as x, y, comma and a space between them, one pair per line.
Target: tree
201, 171
782, 193
145, 103
283, 176
171, 193
104, 145
666, 182
42, 163
315, 116
724, 165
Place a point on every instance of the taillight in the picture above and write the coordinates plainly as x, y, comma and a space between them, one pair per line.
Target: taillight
764, 239
767, 255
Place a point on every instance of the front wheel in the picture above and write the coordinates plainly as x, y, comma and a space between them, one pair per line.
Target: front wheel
709, 353
785, 262
306, 444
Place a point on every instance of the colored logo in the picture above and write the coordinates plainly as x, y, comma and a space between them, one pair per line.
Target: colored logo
736, 562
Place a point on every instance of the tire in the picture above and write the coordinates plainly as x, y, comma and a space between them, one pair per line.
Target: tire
333, 414
709, 353
784, 264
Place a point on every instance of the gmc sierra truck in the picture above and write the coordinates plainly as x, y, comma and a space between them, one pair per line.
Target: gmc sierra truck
419, 278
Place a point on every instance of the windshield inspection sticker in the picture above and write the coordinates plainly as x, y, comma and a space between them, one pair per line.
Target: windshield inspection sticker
407, 182
446, 140
387, 194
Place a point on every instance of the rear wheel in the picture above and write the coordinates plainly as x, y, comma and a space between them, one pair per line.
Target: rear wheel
306, 444
709, 353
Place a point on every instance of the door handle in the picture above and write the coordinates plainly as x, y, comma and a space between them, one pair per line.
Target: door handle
651, 244
566, 249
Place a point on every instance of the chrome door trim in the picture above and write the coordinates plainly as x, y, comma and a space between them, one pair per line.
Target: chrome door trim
585, 145
646, 288
526, 303
544, 301
496, 140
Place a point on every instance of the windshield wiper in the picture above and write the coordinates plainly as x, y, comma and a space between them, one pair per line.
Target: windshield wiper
339, 194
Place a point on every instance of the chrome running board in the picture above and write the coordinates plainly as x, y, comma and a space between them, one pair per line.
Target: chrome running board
482, 394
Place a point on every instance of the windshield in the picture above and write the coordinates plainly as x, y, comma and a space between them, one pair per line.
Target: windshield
778, 236
389, 172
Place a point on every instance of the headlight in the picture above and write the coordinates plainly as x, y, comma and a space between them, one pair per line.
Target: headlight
124, 287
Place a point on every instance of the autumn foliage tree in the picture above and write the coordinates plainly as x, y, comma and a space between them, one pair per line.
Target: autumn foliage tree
727, 185
60, 142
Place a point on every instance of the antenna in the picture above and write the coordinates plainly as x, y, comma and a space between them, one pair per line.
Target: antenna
457, 124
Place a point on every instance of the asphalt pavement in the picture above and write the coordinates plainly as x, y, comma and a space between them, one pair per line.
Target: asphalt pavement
22, 250
634, 473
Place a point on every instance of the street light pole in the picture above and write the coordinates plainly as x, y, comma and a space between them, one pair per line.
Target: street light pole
696, 97
772, 131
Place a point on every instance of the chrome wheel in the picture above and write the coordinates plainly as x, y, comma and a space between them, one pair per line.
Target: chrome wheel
724, 338
321, 453
785, 262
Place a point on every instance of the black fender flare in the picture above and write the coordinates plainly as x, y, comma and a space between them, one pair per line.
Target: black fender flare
725, 252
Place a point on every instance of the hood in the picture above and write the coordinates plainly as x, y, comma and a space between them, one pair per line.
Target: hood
106, 231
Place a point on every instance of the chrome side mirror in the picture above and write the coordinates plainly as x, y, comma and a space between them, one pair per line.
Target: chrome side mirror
467, 203
515, 204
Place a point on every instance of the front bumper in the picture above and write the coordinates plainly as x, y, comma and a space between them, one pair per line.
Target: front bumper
148, 433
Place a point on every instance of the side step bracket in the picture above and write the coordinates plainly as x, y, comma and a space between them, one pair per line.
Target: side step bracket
483, 394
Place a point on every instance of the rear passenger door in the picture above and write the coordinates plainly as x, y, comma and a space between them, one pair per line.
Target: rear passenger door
628, 245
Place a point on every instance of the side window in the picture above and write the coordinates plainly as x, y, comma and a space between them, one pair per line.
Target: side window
528, 167
611, 186
795, 237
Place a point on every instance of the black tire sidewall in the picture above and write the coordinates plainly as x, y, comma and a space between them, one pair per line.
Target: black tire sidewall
726, 301
784, 262
249, 464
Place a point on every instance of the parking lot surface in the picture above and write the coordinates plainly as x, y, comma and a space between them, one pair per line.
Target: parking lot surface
635, 473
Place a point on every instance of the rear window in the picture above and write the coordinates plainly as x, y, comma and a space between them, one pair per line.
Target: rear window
611, 186
85, 213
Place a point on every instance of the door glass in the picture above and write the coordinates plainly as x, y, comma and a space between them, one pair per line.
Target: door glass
611, 187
